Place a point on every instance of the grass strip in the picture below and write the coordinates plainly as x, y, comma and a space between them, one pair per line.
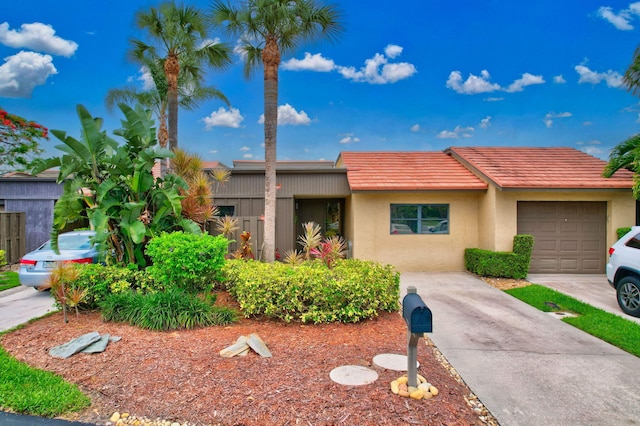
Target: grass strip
27, 390
611, 328
8, 279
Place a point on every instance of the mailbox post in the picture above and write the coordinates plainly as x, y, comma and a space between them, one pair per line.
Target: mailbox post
419, 321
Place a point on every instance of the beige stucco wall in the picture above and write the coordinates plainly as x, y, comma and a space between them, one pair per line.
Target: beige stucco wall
621, 211
486, 220
370, 223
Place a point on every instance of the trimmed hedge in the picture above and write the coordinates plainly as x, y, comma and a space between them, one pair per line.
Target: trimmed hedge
351, 291
190, 262
489, 263
622, 231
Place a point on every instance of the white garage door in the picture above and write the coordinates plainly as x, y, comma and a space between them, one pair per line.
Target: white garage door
570, 237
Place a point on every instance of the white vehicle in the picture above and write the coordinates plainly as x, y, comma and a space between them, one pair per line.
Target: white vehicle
623, 271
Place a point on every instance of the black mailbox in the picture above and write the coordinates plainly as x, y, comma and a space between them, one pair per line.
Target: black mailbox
416, 314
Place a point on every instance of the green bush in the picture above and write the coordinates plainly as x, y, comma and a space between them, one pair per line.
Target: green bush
167, 310
3, 260
351, 291
191, 262
100, 281
622, 231
501, 264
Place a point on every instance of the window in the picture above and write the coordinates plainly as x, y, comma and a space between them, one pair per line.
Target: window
419, 219
634, 242
226, 211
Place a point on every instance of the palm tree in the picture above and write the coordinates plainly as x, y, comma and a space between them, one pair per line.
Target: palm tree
631, 78
180, 33
268, 29
626, 155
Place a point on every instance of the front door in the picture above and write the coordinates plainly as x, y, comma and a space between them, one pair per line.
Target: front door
328, 213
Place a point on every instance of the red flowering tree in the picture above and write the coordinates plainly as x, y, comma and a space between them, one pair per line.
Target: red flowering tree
19, 141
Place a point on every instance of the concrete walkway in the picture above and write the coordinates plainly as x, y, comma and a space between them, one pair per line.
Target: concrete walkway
21, 304
527, 367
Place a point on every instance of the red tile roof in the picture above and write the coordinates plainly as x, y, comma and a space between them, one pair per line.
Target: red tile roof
532, 168
407, 171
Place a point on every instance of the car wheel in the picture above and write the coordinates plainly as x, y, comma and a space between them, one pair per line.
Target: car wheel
628, 292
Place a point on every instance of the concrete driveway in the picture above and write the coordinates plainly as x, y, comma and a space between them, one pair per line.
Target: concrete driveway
20, 304
527, 367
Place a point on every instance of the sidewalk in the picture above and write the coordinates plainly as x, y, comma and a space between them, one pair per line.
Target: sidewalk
527, 367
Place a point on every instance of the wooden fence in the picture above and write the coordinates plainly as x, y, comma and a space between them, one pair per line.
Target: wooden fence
13, 235
251, 224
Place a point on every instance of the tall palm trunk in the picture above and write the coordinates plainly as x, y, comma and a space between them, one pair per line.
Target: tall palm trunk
271, 62
171, 70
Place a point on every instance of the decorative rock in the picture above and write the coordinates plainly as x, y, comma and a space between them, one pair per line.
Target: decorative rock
412, 389
99, 346
395, 387
74, 346
403, 379
421, 379
424, 386
417, 394
403, 393
257, 344
433, 390
115, 417
428, 395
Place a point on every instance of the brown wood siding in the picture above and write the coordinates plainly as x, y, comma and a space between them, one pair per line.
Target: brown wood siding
248, 185
12, 236
569, 237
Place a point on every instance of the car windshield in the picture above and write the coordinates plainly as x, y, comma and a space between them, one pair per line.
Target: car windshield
70, 242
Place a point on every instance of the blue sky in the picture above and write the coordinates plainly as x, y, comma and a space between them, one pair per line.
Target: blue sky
414, 75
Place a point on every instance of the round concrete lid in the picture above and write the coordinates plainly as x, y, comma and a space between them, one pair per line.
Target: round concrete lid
353, 375
393, 362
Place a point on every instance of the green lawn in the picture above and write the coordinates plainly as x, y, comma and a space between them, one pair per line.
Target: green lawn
611, 328
8, 279
27, 390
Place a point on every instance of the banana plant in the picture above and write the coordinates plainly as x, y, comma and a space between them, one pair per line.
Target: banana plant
112, 186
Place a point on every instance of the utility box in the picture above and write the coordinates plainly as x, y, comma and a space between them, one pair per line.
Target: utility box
416, 314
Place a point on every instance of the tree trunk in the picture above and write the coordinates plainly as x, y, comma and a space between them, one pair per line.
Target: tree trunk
271, 62
171, 70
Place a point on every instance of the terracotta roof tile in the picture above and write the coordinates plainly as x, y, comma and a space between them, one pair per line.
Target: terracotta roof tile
407, 171
558, 168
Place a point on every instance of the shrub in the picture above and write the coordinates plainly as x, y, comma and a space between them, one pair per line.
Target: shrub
167, 310
100, 281
188, 261
351, 291
622, 231
3, 260
501, 264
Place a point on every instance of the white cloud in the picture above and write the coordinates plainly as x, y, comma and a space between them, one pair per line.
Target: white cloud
548, 118
592, 148
612, 78
619, 20
224, 118
146, 78
349, 138
213, 151
559, 79
245, 149
475, 84
526, 80
485, 122
288, 115
309, 63
209, 42
37, 36
378, 70
493, 99
456, 133
416, 128
392, 50
247, 156
22, 72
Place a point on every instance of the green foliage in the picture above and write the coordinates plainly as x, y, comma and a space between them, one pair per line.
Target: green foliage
489, 263
353, 290
27, 390
3, 260
101, 281
9, 279
611, 328
187, 261
168, 310
621, 232
112, 186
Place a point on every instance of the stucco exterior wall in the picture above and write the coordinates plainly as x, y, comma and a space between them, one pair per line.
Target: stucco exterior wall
370, 226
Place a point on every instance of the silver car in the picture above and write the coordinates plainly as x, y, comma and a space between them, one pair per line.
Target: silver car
75, 247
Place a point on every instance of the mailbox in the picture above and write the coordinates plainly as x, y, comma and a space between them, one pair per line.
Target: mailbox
416, 314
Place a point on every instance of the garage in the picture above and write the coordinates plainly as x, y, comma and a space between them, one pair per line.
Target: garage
570, 236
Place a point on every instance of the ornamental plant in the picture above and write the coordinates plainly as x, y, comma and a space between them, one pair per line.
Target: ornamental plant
19, 141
